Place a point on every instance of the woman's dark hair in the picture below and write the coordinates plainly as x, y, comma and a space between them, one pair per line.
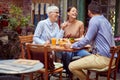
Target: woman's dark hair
94, 7
68, 10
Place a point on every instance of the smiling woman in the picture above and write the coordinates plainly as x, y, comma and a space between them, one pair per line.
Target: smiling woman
73, 29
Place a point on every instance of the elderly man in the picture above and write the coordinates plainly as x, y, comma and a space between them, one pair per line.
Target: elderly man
48, 28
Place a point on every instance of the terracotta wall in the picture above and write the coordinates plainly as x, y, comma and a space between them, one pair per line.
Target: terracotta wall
24, 4
46, 1
16, 2
27, 6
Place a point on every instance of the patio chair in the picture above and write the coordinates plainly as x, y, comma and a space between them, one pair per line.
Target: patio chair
23, 41
44, 54
110, 68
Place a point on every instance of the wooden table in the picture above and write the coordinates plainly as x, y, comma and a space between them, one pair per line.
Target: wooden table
57, 48
62, 48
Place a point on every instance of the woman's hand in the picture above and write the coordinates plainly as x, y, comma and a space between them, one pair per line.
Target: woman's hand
68, 45
63, 25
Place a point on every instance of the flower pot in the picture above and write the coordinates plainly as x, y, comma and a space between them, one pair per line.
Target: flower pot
18, 30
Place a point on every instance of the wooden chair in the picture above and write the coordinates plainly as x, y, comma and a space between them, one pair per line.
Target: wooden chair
43, 53
110, 68
23, 41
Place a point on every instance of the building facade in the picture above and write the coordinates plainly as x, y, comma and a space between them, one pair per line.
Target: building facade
110, 9
37, 9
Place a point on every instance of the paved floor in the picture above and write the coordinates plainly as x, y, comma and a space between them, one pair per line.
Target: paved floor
65, 78
92, 76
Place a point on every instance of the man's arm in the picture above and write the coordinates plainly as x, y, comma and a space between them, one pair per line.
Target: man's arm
59, 32
38, 33
90, 35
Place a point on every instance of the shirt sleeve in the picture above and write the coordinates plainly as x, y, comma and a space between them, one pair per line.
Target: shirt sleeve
90, 35
59, 32
37, 34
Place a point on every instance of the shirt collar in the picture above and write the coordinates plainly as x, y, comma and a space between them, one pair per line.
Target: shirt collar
49, 22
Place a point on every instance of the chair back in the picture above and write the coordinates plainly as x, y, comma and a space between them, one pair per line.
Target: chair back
23, 41
42, 53
115, 58
26, 39
111, 68
118, 57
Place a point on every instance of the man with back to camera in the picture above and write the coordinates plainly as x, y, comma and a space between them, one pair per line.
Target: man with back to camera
100, 35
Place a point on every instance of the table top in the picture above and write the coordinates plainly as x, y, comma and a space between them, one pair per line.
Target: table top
19, 66
62, 48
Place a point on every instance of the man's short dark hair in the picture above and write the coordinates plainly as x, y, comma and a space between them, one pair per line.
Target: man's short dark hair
94, 7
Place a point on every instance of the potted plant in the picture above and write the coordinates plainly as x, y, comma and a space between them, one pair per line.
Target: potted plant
17, 21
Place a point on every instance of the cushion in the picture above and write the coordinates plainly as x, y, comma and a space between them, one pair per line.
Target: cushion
103, 69
58, 65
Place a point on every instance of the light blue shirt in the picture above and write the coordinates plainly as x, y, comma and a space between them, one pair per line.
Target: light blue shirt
100, 34
46, 30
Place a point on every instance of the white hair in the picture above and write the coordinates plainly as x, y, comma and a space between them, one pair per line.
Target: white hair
51, 9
